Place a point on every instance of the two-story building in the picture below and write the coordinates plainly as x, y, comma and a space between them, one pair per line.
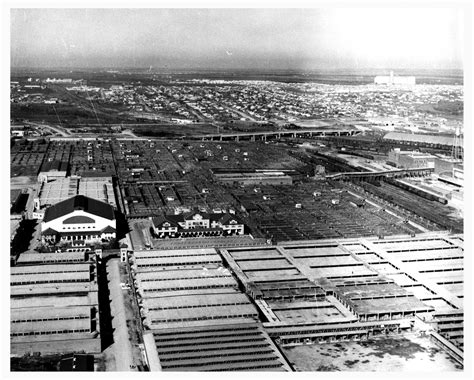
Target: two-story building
197, 224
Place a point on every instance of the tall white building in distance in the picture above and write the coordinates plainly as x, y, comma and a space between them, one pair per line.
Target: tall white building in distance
391, 80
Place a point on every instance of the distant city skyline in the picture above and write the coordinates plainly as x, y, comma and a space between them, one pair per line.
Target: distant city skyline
286, 39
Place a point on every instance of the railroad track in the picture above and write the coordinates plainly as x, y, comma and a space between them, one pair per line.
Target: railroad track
429, 210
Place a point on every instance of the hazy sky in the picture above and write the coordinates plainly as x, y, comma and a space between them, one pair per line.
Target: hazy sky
238, 38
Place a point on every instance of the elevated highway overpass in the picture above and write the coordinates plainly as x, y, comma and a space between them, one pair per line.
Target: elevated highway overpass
264, 135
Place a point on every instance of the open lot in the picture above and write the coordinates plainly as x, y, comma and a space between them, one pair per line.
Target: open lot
406, 353
318, 314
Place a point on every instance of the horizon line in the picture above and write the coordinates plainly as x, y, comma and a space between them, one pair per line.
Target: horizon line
108, 68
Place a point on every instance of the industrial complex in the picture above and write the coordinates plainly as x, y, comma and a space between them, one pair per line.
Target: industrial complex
240, 245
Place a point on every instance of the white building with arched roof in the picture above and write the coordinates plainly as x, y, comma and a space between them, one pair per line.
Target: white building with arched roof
78, 219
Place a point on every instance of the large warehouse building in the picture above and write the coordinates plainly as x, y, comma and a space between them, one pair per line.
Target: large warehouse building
78, 219
198, 317
54, 304
411, 159
57, 190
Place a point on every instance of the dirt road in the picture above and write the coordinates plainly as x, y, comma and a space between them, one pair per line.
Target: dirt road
121, 345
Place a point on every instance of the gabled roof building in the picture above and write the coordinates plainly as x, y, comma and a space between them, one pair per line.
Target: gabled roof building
78, 221
197, 224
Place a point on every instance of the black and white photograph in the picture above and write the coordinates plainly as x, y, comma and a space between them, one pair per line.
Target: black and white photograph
245, 187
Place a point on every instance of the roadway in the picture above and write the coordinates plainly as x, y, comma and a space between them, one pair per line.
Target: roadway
55, 129
240, 113
281, 133
129, 132
121, 347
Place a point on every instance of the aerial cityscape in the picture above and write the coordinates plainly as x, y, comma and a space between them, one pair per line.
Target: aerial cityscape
237, 190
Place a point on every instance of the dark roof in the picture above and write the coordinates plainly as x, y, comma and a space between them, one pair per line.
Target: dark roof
249, 206
79, 233
50, 231
175, 218
226, 218
54, 165
108, 230
190, 215
158, 221
96, 173
79, 202
78, 219
198, 229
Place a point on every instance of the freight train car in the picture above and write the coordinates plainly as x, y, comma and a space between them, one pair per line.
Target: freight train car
420, 192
